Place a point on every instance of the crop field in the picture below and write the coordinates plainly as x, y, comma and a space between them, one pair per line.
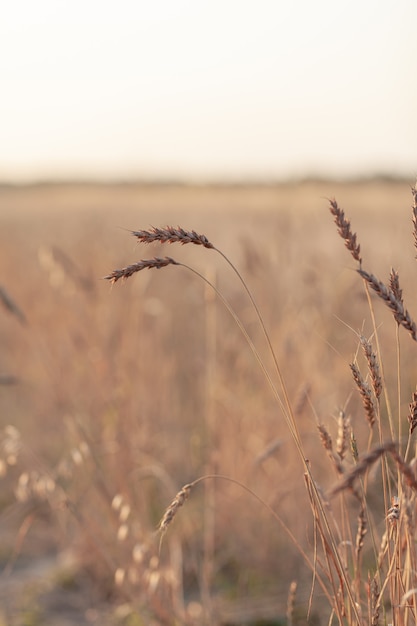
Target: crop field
205, 442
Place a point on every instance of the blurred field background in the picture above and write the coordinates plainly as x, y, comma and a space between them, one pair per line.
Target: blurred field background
113, 397
122, 394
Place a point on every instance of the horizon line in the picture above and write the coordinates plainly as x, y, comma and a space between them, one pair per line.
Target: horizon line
166, 181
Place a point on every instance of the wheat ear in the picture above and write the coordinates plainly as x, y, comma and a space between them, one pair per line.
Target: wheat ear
412, 416
129, 270
169, 234
373, 366
366, 395
345, 231
401, 315
172, 509
367, 461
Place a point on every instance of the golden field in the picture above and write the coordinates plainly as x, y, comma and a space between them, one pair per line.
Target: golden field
122, 394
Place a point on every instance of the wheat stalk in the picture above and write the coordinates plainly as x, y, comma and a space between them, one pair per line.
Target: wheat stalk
182, 496
414, 209
345, 590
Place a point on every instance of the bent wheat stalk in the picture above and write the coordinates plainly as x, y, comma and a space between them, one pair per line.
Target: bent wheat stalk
184, 493
170, 235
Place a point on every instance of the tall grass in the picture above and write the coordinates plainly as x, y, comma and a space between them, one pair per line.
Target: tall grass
363, 565
224, 441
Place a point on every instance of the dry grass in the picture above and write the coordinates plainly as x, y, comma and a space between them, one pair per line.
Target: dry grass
127, 394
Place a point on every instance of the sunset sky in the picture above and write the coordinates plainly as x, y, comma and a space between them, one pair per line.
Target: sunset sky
226, 89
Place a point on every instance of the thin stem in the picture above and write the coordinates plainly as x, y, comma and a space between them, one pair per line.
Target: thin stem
271, 349
398, 344
385, 472
248, 339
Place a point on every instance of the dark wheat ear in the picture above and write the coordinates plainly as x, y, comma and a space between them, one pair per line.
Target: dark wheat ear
366, 395
401, 315
129, 270
394, 283
373, 366
181, 497
345, 231
412, 416
362, 466
368, 460
169, 234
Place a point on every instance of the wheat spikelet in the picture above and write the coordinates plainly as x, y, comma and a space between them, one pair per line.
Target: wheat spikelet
393, 513
361, 532
385, 293
373, 366
354, 446
345, 231
343, 423
366, 462
325, 437
171, 511
291, 603
169, 234
129, 270
394, 283
366, 395
374, 601
326, 440
412, 416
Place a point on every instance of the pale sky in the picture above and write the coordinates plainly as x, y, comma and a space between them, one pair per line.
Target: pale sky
207, 90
